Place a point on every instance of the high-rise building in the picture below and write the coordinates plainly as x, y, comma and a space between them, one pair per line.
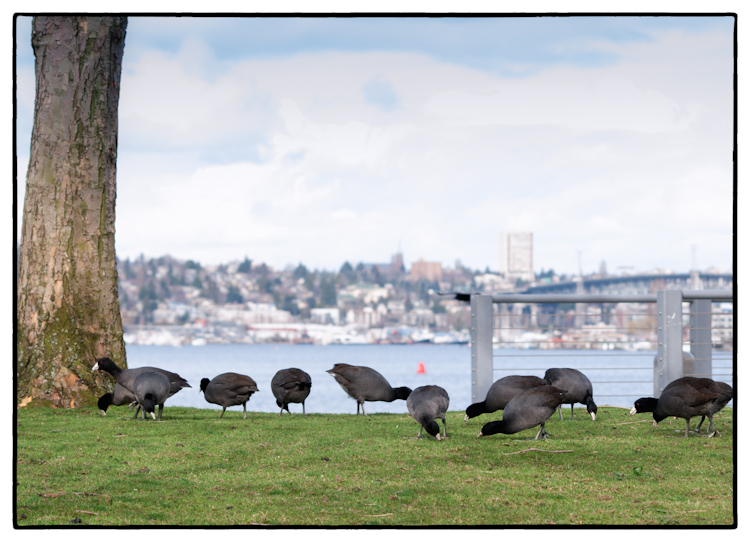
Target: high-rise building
517, 255
422, 270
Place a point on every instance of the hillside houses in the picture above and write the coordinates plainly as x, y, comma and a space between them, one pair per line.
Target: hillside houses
169, 301
244, 296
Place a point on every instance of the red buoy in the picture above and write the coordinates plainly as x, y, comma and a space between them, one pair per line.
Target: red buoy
420, 368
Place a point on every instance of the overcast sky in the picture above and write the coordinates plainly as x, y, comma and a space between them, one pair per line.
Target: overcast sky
324, 140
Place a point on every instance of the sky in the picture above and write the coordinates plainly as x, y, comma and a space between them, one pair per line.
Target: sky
320, 140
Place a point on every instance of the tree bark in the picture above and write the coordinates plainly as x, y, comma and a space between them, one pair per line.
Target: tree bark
68, 311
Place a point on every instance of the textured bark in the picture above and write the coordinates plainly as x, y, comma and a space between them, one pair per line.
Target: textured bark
68, 308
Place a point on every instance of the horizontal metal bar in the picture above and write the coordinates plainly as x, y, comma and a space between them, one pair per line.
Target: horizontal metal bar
568, 314
572, 298
619, 330
710, 313
614, 395
564, 343
723, 295
649, 368
508, 369
620, 354
622, 381
687, 295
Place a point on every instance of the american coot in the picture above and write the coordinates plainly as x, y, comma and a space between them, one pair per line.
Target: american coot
229, 389
150, 389
526, 410
682, 399
578, 387
119, 397
501, 392
365, 384
126, 377
290, 386
426, 404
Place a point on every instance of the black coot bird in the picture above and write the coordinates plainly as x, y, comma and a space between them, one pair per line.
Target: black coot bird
365, 384
501, 392
578, 387
290, 386
126, 377
426, 404
681, 398
119, 397
526, 410
150, 389
229, 389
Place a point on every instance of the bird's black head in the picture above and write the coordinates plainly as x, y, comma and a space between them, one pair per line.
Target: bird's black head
591, 408
105, 364
433, 429
204, 384
475, 410
491, 428
148, 403
644, 404
402, 393
104, 402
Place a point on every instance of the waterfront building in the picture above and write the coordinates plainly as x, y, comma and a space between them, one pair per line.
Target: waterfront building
517, 255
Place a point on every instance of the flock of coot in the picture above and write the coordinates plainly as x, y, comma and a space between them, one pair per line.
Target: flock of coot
526, 401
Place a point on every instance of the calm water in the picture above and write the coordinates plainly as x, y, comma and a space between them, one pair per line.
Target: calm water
618, 377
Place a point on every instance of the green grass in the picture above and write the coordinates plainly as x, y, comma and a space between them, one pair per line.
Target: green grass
192, 469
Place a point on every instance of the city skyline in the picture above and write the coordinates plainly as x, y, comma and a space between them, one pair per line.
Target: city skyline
329, 140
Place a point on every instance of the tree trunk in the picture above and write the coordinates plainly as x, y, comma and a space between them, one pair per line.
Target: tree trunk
68, 307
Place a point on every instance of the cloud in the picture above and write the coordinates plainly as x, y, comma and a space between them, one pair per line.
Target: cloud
606, 136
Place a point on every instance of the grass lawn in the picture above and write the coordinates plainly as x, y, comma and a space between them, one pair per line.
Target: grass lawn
75, 467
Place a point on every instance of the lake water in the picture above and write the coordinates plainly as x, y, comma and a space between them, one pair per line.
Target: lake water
618, 378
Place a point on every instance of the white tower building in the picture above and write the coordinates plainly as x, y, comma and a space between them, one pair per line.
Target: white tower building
517, 255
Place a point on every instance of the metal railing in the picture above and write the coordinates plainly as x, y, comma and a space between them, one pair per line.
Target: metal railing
674, 328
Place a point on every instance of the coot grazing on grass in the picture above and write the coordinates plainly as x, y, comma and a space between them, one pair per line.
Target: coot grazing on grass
365, 384
501, 392
126, 377
290, 386
682, 398
119, 397
578, 387
150, 389
229, 389
526, 410
426, 404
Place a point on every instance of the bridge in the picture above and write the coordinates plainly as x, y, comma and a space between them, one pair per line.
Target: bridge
636, 284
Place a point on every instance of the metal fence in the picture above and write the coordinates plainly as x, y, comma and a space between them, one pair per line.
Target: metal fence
628, 345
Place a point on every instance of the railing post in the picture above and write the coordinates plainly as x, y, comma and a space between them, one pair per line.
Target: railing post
481, 346
668, 362
700, 336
